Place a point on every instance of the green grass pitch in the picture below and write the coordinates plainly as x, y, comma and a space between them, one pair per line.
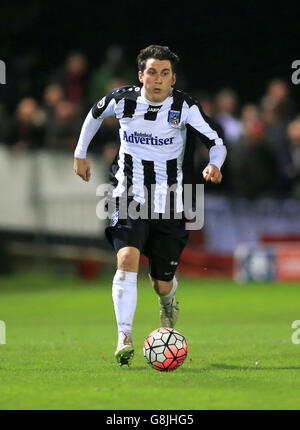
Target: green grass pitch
61, 336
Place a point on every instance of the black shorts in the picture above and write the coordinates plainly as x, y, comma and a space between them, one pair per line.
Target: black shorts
162, 241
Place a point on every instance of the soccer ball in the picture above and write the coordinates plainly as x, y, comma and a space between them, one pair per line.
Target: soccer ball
165, 349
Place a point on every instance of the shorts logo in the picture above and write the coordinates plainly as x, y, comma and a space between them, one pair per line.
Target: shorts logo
114, 218
174, 117
100, 104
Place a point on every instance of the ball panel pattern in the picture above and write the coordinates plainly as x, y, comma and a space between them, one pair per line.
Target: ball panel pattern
165, 349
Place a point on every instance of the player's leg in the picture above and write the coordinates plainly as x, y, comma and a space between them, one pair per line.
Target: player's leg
127, 238
167, 240
124, 294
166, 291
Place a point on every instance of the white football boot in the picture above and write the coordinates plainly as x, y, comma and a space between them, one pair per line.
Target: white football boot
169, 313
125, 351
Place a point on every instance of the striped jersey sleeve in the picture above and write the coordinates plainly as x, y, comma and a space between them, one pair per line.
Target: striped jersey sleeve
104, 108
208, 133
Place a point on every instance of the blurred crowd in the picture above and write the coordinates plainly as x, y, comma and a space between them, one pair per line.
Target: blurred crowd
263, 138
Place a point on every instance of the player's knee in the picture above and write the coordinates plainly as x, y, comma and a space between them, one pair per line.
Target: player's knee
128, 259
161, 287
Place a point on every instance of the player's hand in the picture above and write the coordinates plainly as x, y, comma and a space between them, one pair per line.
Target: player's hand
82, 168
212, 173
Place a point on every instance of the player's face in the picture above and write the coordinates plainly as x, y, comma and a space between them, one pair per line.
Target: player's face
157, 79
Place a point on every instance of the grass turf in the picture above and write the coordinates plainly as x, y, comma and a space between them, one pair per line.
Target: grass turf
61, 336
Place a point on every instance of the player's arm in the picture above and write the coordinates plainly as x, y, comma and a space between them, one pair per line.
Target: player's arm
92, 123
210, 136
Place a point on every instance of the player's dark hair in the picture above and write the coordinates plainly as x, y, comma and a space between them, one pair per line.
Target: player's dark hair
159, 53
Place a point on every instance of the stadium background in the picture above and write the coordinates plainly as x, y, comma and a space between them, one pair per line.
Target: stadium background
55, 266
61, 59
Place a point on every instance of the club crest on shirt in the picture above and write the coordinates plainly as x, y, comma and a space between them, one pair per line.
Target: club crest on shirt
174, 117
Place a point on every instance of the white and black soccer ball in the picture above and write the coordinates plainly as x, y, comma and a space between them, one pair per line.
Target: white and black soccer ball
165, 349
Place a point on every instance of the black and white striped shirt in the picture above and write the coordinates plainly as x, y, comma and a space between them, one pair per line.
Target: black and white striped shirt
154, 141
